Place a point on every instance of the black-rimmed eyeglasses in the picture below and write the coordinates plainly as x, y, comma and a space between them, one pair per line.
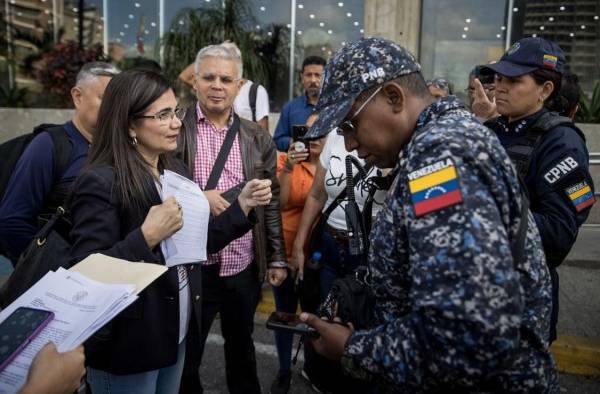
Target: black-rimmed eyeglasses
347, 127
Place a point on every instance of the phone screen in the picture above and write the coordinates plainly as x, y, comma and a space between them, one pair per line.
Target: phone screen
485, 75
298, 131
18, 329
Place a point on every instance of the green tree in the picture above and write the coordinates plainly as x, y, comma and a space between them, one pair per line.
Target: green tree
263, 53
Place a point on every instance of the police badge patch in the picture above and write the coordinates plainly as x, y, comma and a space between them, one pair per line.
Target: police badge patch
434, 187
581, 195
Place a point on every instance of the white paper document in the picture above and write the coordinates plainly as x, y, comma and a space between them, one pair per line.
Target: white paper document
188, 245
81, 306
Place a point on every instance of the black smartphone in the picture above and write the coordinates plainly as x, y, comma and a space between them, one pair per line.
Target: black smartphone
19, 329
231, 194
300, 143
290, 322
484, 74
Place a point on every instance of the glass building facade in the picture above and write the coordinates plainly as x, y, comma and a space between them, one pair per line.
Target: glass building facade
274, 35
458, 34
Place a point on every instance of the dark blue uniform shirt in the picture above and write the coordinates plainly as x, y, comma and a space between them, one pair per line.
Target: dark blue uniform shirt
294, 112
560, 189
559, 163
30, 185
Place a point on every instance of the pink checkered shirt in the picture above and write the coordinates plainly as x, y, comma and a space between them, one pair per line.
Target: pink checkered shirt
236, 256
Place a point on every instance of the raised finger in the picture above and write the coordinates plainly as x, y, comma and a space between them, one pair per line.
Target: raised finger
479, 90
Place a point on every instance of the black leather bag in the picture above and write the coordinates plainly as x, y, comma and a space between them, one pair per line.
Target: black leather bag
353, 298
48, 251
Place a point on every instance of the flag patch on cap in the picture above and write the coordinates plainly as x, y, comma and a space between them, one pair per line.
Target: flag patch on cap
434, 187
581, 195
550, 61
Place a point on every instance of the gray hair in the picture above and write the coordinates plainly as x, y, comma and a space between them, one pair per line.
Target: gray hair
226, 51
93, 70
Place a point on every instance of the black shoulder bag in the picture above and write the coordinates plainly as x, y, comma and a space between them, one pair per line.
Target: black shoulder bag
49, 250
308, 289
351, 294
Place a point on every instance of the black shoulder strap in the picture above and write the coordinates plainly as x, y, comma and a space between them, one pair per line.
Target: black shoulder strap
517, 248
340, 197
62, 150
252, 99
217, 169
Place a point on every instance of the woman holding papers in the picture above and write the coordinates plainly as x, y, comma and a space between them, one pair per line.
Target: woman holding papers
117, 210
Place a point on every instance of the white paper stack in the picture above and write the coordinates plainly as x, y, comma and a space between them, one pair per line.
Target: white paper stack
81, 306
188, 245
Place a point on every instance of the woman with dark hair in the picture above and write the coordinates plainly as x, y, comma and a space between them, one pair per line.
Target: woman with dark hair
566, 103
548, 150
117, 210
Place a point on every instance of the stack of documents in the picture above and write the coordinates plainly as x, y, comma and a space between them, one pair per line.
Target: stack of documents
83, 301
188, 245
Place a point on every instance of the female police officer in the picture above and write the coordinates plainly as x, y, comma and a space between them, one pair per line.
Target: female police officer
548, 151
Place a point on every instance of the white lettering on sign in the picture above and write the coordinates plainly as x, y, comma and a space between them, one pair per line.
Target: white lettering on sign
373, 74
560, 170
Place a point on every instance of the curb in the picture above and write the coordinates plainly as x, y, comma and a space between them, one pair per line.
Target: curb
573, 355
577, 355
266, 306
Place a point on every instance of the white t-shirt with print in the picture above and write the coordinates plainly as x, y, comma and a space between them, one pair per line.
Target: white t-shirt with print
241, 104
333, 160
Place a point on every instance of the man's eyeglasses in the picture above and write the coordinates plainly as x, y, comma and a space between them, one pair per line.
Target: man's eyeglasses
166, 115
347, 127
225, 79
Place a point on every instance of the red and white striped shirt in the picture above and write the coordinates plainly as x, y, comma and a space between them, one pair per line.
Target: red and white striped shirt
236, 256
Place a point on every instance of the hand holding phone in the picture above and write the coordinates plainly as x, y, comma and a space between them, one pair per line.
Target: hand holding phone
19, 329
300, 144
291, 323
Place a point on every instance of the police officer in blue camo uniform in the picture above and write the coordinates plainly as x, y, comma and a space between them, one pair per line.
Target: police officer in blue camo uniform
548, 150
454, 311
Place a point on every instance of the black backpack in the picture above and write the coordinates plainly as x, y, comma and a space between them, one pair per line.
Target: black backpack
11, 151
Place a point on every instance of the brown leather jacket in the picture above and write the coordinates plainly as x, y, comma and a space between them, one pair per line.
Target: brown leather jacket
259, 158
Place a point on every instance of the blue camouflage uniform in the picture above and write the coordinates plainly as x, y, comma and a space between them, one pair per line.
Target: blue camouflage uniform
452, 312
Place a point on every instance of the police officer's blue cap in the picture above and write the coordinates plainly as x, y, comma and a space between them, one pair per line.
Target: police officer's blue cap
530, 54
353, 69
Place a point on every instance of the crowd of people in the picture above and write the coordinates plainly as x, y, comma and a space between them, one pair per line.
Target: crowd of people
466, 211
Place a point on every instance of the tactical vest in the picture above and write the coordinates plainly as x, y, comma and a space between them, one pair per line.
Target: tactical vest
521, 151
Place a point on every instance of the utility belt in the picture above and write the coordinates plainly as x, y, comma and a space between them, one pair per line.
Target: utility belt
340, 236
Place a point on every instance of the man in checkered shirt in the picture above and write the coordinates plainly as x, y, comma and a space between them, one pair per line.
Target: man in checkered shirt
232, 278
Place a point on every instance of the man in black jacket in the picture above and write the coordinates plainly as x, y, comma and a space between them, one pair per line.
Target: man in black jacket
232, 278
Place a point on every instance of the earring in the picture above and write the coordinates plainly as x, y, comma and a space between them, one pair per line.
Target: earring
134, 141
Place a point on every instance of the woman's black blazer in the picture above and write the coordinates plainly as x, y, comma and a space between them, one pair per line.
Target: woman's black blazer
145, 335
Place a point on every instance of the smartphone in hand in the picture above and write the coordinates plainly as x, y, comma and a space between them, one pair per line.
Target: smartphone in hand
19, 329
291, 323
300, 143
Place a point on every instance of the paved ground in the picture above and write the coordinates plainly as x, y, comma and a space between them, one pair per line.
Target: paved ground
213, 369
586, 252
